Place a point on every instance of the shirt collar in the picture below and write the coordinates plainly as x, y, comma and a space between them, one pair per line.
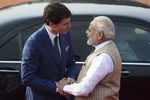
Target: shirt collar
101, 45
51, 35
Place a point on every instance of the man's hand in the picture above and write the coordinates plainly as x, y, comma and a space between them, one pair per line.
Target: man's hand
66, 81
59, 89
70, 80
60, 85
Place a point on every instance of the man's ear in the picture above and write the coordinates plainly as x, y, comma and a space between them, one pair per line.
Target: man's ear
52, 25
100, 35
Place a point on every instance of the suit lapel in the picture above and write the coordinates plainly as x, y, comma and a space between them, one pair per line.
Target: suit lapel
48, 45
62, 46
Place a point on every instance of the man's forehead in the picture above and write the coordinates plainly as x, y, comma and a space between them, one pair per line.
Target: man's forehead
92, 24
65, 20
96, 24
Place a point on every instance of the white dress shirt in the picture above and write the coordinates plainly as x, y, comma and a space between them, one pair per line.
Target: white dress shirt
52, 37
100, 67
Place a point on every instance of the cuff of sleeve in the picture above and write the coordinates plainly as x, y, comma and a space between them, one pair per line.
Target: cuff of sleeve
67, 89
70, 89
52, 87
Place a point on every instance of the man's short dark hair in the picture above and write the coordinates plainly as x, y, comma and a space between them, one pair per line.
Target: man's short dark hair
55, 12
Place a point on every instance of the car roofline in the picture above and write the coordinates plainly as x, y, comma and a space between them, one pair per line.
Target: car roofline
92, 9
128, 3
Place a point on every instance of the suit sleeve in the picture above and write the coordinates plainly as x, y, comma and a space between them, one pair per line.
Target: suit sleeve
72, 69
29, 68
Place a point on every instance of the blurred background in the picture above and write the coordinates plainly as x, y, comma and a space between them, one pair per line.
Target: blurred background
6, 3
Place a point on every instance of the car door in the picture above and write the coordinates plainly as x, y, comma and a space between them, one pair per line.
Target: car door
13, 36
9, 50
133, 41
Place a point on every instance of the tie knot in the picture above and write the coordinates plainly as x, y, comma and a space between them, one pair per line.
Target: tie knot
56, 46
56, 40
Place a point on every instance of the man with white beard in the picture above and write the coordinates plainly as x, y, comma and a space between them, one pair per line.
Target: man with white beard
99, 78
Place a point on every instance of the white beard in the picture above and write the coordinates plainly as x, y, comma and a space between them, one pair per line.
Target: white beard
90, 42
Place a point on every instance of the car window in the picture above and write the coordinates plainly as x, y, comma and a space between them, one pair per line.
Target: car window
78, 36
10, 49
13, 39
10, 43
133, 40
79, 39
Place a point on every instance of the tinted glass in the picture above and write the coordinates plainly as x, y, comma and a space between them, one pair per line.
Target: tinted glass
133, 40
10, 49
13, 37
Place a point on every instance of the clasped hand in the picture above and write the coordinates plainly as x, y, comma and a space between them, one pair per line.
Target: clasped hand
60, 85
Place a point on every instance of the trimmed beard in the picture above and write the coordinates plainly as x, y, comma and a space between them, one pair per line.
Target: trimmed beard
90, 42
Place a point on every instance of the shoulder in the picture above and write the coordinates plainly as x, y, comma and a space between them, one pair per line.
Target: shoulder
66, 35
103, 57
35, 37
104, 60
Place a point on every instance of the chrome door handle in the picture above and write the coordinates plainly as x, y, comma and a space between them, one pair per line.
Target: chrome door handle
125, 72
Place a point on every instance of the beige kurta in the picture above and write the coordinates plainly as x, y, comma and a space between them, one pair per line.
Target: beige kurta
108, 88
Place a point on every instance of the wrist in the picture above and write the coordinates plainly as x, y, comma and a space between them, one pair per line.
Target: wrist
56, 87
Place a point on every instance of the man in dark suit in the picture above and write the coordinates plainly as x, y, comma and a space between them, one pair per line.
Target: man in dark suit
47, 55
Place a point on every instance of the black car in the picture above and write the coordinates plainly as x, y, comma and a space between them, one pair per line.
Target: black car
133, 40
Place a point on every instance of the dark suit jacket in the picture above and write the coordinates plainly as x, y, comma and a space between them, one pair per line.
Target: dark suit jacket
40, 67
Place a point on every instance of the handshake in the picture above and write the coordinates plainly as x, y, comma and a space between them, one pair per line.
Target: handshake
60, 85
